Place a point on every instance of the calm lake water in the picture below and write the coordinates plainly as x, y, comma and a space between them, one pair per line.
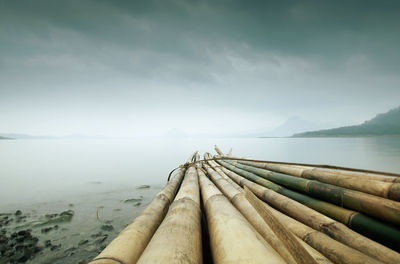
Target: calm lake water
94, 177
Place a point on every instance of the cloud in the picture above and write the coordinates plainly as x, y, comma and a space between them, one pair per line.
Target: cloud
317, 59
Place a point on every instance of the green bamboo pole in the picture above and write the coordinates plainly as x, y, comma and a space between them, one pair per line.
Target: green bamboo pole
314, 219
178, 238
317, 241
378, 207
366, 183
242, 205
232, 238
130, 243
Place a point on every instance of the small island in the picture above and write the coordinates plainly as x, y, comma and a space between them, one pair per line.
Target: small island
385, 124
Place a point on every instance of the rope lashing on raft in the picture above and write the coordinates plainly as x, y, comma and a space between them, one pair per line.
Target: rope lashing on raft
323, 166
186, 166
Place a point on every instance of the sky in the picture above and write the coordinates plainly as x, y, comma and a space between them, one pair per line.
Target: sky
144, 68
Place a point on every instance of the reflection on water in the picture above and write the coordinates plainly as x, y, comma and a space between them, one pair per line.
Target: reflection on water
98, 179
39, 170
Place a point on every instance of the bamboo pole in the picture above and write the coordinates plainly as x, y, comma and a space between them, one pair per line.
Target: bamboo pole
192, 157
329, 247
218, 150
322, 169
316, 241
178, 238
217, 168
129, 244
368, 226
361, 182
243, 206
368, 174
294, 247
318, 221
378, 207
232, 238
197, 156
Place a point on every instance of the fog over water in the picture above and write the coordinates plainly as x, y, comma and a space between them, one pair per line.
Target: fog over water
97, 178
45, 170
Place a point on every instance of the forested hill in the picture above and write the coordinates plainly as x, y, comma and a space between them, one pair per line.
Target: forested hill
383, 124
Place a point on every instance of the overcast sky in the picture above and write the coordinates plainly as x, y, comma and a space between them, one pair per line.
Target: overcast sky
126, 68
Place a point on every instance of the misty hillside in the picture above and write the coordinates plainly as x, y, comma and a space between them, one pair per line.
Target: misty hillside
293, 125
383, 124
19, 136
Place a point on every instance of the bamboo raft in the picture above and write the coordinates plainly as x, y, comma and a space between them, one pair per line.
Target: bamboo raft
225, 209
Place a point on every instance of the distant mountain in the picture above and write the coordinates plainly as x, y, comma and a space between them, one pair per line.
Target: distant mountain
80, 136
291, 126
382, 124
21, 136
26, 136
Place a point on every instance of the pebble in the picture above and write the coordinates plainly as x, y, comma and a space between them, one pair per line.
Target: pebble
47, 243
143, 187
55, 247
48, 229
82, 242
107, 227
100, 239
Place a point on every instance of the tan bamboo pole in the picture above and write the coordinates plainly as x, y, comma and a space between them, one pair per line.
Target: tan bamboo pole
230, 153
318, 221
361, 182
232, 238
129, 244
218, 150
178, 238
332, 249
196, 157
242, 205
192, 157
294, 247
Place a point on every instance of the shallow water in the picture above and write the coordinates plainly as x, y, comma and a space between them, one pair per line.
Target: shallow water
50, 176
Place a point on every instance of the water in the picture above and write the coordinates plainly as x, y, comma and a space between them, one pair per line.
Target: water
51, 176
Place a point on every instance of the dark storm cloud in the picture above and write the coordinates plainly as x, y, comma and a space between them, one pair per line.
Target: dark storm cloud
248, 55
320, 28
326, 29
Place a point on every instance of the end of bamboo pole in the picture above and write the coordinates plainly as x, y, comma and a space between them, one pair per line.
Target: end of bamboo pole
218, 150
230, 153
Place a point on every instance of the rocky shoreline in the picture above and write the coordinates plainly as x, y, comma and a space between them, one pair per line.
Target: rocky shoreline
74, 235
21, 236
